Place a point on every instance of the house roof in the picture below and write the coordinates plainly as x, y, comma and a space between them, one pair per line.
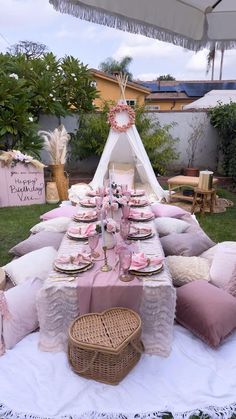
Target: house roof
133, 85
191, 88
167, 95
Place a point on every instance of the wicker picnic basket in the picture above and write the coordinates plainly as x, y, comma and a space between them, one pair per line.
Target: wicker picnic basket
106, 346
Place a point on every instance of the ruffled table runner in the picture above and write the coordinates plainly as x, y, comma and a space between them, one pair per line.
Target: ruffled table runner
60, 301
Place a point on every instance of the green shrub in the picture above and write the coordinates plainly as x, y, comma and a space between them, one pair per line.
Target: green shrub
223, 118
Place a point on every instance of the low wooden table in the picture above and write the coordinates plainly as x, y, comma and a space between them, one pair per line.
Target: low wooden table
204, 199
177, 182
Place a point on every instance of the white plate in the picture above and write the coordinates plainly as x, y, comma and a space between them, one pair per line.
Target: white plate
149, 270
84, 220
141, 218
87, 204
70, 267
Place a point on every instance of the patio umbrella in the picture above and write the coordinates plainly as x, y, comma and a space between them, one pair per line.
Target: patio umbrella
193, 24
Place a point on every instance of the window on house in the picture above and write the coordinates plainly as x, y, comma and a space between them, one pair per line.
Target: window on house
131, 102
93, 83
152, 107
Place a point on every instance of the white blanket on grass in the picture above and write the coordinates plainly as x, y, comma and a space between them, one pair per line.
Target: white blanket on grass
194, 377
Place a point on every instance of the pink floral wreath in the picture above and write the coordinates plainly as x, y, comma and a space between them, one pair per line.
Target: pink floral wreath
112, 117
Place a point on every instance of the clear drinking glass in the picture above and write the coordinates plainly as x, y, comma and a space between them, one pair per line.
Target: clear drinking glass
124, 229
125, 258
98, 201
93, 241
124, 188
125, 211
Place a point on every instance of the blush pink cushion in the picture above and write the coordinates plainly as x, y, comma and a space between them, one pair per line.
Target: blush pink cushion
66, 211
163, 210
186, 244
19, 316
123, 177
37, 241
209, 312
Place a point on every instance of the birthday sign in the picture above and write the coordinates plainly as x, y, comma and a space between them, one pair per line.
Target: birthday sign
21, 185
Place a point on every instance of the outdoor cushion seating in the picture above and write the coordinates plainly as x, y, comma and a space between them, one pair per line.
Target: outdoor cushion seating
59, 224
122, 173
18, 314
186, 244
37, 241
208, 311
64, 211
36, 264
223, 267
168, 225
163, 210
185, 269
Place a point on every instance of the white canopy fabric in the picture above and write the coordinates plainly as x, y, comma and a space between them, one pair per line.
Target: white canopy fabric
212, 99
127, 147
193, 24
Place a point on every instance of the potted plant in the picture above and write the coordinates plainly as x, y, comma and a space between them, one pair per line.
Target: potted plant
194, 140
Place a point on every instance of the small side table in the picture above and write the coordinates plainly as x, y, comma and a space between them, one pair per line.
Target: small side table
204, 199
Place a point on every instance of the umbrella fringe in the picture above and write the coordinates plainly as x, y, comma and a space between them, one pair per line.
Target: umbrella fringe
102, 17
213, 412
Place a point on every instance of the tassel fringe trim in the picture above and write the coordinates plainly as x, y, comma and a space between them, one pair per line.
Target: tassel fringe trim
102, 17
211, 412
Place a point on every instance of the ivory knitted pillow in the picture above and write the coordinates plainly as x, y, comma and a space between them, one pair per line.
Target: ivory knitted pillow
185, 269
59, 224
168, 225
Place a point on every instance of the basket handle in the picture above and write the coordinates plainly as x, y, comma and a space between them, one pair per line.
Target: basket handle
89, 365
139, 348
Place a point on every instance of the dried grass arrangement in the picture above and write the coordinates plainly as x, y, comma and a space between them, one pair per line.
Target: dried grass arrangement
55, 142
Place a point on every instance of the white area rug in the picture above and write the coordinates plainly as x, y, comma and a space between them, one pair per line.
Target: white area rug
193, 378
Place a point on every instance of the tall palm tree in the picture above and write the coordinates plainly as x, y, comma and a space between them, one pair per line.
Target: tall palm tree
112, 66
221, 62
211, 61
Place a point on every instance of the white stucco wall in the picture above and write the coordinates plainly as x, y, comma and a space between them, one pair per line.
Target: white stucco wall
207, 150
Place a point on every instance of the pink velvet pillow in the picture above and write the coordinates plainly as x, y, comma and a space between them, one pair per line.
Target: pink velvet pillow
18, 314
65, 211
164, 210
209, 312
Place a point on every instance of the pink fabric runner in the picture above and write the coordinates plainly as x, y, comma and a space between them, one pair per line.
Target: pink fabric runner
98, 291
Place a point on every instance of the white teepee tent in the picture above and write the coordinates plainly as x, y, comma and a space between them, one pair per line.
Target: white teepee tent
127, 147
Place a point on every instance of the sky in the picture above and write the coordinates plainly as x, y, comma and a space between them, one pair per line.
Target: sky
38, 21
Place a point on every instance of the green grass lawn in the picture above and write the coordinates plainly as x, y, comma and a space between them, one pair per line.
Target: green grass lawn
15, 223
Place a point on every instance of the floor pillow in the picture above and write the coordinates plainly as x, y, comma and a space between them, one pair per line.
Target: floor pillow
186, 244
185, 269
59, 225
36, 264
18, 314
64, 211
209, 312
223, 267
168, 225
37, 241
164, 210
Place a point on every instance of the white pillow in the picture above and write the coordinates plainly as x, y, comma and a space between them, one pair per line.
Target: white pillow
210, 253
36, 264
123, 177
169, 225
185, 269
59, 225
223, 267
18, 313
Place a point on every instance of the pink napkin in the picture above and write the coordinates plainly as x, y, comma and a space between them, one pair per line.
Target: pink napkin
140, 214
86, 215
78, 259
83, 231
140, 261
139, 230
